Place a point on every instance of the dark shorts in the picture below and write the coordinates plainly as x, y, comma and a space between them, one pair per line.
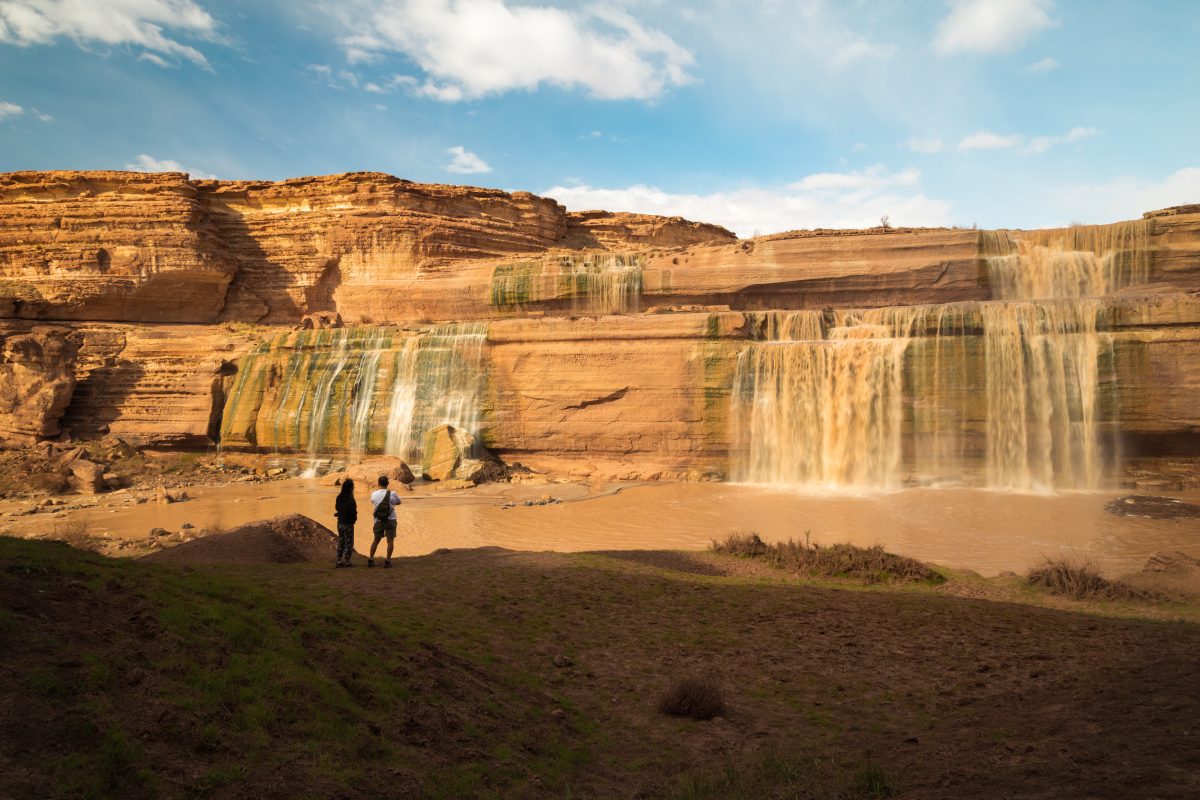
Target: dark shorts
385, 528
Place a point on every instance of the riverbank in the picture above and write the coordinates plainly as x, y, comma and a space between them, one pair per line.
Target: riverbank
489, 673
984, 531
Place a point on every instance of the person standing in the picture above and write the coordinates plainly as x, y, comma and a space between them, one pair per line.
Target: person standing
385, 502
347, 515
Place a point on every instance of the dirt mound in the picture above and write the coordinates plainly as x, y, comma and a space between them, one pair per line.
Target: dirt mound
282, 540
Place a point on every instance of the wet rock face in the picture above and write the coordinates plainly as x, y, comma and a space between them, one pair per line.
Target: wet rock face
37, 379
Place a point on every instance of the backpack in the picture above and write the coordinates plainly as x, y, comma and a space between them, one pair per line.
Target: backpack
383, 511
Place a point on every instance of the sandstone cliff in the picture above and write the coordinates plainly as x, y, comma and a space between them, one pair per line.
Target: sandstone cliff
546, 348
124, 246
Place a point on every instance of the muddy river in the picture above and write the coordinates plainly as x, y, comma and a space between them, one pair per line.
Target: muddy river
989, 532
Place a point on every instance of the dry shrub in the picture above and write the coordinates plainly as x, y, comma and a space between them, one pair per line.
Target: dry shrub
869, 564
75, 532
1080, 580
696, 697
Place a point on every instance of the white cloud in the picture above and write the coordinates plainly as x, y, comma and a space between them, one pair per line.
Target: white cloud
855, 48
42, 116
825, 200
157, 61
1127, 197
928, 146
1047, 64
134, 23
986, 140
991, 26
464, 162
475, 48
148, 163
1040, 144
10, 110
380, 107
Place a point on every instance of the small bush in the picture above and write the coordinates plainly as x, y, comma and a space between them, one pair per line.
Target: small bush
1080, 580
75, 532
870, 564
697, 697
871, 781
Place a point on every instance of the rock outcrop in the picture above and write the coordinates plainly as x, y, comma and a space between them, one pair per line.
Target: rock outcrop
37, 380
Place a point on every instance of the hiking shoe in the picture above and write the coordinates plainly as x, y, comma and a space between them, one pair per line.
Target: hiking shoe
387, 564
370, 562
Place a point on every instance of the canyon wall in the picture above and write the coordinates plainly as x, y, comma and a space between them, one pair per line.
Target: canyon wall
592, 343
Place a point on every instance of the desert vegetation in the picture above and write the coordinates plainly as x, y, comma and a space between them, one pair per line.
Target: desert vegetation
868, 564
1080, 580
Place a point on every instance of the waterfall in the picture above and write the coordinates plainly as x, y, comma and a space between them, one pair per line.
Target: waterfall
1042, 366
817, 409
439, 379
357, 390
856, 398
598, 283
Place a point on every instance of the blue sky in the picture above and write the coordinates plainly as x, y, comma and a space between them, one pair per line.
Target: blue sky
762, 116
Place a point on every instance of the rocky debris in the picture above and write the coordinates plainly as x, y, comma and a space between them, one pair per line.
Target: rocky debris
167, 496
282, 540
37, 380
1154, 507
544, 500
450, 484
1176, 561
321, 319
366, 473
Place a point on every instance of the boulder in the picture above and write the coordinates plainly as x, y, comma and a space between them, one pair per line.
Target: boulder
453, 454
86, 477
367, 472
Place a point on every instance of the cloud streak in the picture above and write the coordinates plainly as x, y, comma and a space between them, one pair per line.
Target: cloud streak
986, 140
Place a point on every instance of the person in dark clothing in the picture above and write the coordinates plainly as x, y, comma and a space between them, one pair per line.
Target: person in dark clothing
347, 515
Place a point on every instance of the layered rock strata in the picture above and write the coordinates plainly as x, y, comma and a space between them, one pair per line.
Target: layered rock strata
547, 349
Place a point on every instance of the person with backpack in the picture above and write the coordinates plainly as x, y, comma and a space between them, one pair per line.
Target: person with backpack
385, 502
347, 514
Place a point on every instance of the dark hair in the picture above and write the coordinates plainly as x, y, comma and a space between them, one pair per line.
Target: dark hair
383, 481
347, 486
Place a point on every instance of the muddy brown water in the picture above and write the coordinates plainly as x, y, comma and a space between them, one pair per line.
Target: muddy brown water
986, 531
